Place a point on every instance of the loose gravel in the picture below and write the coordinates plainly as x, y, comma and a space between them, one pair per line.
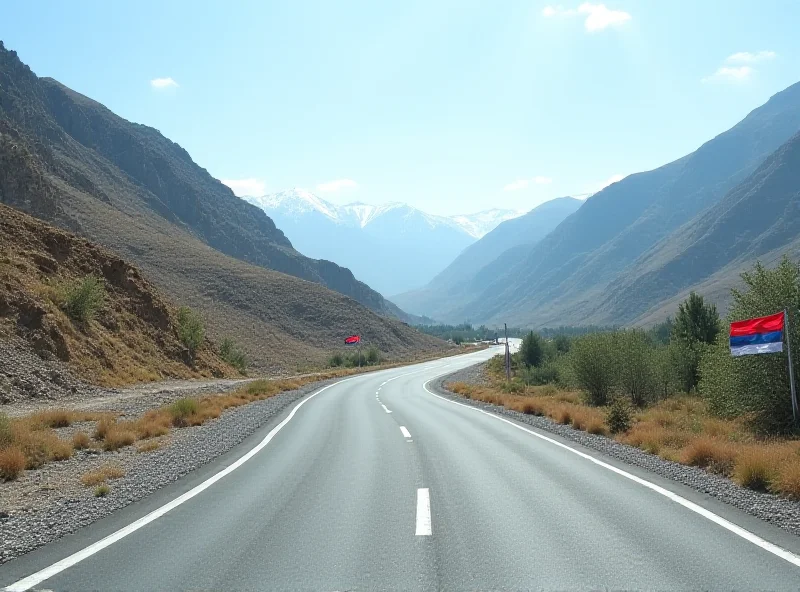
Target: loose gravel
778, 511
24, 528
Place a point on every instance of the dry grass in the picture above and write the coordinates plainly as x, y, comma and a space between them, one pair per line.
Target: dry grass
679, 428
117, 437
101, 475
80, 440
12, 463
148, 446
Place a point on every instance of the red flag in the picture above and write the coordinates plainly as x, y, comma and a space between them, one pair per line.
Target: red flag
760, 325
352, 340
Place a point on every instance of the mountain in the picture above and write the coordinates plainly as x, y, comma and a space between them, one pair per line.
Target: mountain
129, 188
563, 278
757, 220
370, 239
506, 239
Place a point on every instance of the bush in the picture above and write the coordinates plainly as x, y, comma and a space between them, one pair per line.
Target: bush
102, 490
594, 366
562, 343
618, 416
117, 438
336, 360
181, 410
531, 352
684, 363
83, 298
191, 331
756, 385
229, 352
637, 365
12, 463
373, 356
80, 440
547, 373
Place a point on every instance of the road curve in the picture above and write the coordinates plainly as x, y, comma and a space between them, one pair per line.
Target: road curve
377, 484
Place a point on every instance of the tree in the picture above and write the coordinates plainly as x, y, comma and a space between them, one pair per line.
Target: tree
531, 352
696, 321
593, 365
696, 326
562, 343
637, 366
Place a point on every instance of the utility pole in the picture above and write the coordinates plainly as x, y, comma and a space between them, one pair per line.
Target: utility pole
508, 355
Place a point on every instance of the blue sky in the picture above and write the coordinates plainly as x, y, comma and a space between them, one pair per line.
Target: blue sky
452, 106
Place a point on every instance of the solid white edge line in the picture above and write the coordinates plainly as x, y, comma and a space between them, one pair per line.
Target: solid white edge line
48, 572
424, 527
405, 432
708, 514
30, 581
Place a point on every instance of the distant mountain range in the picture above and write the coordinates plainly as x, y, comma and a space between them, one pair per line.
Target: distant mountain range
637, 246
392, 247
505, 243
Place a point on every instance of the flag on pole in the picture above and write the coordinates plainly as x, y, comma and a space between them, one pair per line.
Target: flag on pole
763, 335
352, 340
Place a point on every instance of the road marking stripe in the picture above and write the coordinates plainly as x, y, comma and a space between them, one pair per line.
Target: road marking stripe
708, 514
384, 408
405, 432
423, 512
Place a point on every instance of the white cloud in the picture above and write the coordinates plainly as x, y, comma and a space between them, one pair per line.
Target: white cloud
598, 16
337, 185
249, 187
524, 183
746, 57
162, 83
730, 74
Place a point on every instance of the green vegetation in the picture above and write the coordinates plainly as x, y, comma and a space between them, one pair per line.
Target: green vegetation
619, 416
531, 352
84, 298
182, 409
102, 490
231, 353
191, 330
466, 332
757, 386
369, 357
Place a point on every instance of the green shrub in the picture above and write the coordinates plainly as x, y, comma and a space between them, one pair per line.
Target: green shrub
373, 356
336, 360
191, 331
84, 297
102, 490
547, 373
756, 385
618, 416
229, 352
531, 352
182, 409
593, 365
696, 321
562, 343
637, 365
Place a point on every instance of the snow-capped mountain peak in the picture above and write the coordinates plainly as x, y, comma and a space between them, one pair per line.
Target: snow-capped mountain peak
295, 202
481, 223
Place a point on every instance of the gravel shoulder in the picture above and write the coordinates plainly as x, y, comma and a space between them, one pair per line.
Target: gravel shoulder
770, 508
48, 503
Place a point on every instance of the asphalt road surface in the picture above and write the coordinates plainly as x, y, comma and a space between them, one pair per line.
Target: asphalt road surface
375, 483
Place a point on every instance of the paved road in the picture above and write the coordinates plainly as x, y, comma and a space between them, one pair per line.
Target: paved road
376, 483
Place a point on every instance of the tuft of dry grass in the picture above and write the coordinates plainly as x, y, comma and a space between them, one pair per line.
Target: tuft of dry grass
80, 440
53, 418
757, 467
118, 437
12, 463
148, 446
102, 474
709, 452
102, 490
788, 480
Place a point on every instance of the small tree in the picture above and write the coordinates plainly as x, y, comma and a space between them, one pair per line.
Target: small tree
229, 352
562, 343
191, 331
373, 356
637, 366
593, 365
531, 352
696, 321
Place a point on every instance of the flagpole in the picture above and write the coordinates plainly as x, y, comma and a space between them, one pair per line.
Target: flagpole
791, 366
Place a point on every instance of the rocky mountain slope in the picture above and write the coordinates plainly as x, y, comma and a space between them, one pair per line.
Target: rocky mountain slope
370, 240
563, 278
130, 189
757, 220
507, 240
132, 338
